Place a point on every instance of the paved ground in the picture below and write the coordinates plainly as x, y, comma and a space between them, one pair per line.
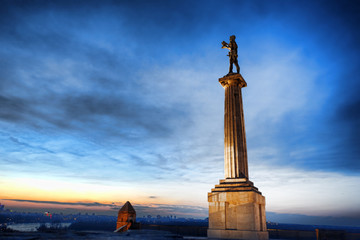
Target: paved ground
129, 235
143, 234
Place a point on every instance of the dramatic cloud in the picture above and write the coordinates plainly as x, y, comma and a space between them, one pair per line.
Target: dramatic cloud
125, 95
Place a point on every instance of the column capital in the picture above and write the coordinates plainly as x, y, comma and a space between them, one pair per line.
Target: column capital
232, 79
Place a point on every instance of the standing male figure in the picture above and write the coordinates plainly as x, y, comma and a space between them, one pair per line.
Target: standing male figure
232, 46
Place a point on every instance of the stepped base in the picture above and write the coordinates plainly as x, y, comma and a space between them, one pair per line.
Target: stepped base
236, 211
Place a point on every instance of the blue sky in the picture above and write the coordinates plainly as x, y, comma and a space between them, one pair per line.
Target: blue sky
109, 101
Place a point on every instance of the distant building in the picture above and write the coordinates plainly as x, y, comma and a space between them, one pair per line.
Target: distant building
48, 214
2, 207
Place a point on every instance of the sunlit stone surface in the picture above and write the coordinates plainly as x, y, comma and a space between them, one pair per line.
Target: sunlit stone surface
234, 128
126, 217
236, 207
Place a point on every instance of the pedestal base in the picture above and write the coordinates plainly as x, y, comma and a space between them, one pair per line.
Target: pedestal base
235, 234
237, 211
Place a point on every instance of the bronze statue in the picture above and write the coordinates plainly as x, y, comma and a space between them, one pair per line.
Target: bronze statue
232, 46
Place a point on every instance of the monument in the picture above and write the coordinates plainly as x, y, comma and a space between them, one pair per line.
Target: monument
236, 207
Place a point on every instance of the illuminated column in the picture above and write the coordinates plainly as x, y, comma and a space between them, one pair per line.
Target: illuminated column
236, 163
236, 206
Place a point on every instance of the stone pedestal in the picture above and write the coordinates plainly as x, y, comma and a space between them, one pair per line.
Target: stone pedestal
236, 207
237, 211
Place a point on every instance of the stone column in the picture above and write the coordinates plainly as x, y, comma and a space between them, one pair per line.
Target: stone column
236, 206
236, 163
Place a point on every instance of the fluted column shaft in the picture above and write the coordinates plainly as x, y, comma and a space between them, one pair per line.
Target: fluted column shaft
235, 150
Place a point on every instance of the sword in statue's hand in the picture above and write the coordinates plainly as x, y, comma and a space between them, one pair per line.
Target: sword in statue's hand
226, 45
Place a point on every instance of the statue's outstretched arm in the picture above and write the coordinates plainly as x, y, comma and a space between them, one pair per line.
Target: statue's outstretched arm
225, 45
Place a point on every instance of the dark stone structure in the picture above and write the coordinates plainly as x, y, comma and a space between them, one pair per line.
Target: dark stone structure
126, 218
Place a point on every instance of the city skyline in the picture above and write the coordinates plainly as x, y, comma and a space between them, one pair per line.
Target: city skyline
114, 101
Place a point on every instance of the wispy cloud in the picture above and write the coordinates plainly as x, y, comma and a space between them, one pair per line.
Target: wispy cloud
90, 204
141, 209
